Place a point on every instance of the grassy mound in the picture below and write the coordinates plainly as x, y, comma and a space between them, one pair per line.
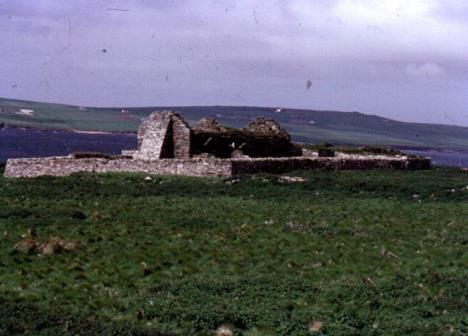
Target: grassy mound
334, 253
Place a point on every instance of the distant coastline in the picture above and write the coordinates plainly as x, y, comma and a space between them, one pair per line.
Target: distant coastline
304, 125
65, 130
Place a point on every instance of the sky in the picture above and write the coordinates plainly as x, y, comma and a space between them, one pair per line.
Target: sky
400, 59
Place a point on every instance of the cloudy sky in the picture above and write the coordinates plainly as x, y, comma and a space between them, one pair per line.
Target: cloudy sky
402, 59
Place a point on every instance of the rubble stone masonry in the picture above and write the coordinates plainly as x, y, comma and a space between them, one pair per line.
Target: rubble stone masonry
66, 165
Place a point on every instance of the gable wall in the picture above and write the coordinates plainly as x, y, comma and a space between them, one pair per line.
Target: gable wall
182, 137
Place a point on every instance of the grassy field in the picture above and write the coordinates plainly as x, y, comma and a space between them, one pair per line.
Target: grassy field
343, 253
309, 126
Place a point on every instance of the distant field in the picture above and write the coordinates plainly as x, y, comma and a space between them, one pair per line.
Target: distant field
347, 253
309, 126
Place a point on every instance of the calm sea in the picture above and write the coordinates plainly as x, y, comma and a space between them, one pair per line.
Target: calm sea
17, 142
444, 157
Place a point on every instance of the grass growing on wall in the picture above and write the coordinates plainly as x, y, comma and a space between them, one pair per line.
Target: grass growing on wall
357, 253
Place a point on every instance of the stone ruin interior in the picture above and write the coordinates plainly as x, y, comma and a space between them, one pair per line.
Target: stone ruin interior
166, 134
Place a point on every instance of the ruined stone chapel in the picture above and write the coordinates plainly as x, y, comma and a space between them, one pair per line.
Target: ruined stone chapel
167, 145
165, 135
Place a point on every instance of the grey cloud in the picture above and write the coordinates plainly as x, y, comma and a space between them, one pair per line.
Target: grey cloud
233, 52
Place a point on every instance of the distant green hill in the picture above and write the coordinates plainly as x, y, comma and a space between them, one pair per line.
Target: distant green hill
311, 126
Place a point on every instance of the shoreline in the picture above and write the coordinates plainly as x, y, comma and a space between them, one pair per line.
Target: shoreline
65, 130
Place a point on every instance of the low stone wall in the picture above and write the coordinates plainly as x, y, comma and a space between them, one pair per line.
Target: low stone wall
66, 165
63, 166
282, 165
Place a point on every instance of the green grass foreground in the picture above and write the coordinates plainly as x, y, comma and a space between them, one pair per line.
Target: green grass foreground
363, 253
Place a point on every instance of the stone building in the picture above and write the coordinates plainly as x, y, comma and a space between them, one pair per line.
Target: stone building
165, 135
167, 145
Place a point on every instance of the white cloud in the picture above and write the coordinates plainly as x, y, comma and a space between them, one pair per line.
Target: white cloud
426, 69
381, 12
382, 29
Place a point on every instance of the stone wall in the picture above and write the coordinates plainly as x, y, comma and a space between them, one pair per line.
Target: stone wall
282, 165
66, 165
63, 166
152, 134
163, 135
181, 136
223, 144
261, 138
